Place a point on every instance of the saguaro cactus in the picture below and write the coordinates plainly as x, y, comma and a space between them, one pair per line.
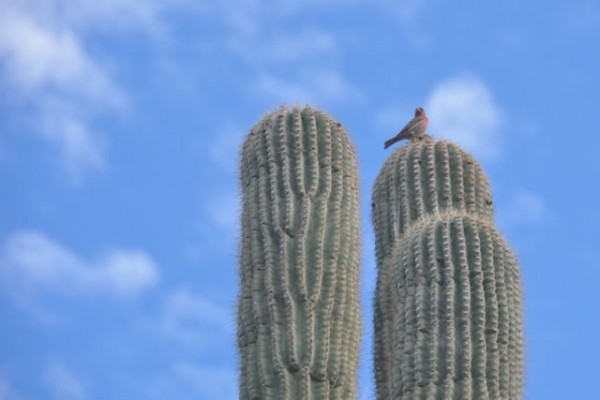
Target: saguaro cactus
448, 297
298, 312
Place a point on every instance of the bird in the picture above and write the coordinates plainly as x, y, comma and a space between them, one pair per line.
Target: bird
415, 129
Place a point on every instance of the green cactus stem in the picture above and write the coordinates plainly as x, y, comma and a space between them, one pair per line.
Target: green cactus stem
422, 178
456, 301
420, 184
299, 321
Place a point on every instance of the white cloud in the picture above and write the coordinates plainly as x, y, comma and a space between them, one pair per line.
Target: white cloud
463, 109
43, 40
38, 57
63, 383
127, 272
32, 263
51, 73
194, 321
46, 61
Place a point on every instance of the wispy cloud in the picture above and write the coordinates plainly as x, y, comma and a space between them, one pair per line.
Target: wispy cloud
130, 15
411, 16
6, 390
63, 383
410, 10
31, 263
199, 331
57, 81
304, 46
314, 86
185, 379
50, 72
193, 320
463, 109
39, 57
82, 148
295, 65
523, 208
300, 67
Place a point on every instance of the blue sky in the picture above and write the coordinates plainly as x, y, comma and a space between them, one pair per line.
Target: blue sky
120, 126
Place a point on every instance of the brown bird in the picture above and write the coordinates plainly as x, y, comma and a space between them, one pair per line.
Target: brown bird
414, 129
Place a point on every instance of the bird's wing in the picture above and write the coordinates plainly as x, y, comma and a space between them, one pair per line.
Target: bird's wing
414, 125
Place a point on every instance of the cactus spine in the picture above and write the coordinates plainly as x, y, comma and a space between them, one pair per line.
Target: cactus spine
298, 311
448, 297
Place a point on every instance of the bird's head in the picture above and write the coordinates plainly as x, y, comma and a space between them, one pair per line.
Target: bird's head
420, 111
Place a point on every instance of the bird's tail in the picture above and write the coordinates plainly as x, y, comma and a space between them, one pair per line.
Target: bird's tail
389, 142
